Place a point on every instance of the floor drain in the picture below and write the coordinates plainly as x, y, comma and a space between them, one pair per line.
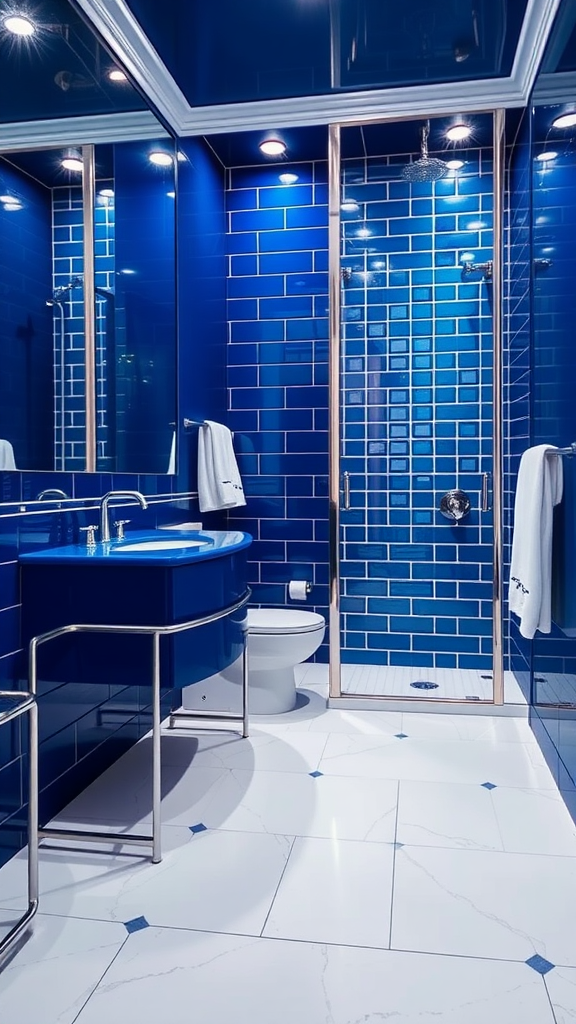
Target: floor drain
485, 677
424, 686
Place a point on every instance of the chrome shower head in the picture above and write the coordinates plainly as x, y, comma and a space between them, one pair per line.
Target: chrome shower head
427, 168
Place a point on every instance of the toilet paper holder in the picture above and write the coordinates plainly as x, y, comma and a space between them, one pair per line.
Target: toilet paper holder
298, 590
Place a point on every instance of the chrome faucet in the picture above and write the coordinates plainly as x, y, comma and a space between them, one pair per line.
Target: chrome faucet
105, 501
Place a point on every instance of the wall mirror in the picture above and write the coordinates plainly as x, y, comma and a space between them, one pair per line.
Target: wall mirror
46, 365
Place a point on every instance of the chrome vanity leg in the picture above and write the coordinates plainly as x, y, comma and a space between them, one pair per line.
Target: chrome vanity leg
156, 753
33, 809
245, 684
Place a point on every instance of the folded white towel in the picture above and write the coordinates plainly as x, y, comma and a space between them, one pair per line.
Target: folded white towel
538, 490
6, 455
219, 483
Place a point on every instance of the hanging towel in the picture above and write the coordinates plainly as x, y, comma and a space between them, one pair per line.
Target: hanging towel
219, 483
6, 455
172, 456
538, 490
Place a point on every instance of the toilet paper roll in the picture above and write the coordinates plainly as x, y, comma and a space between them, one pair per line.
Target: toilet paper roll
298, 590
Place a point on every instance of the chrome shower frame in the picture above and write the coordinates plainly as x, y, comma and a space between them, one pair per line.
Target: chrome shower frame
334, 360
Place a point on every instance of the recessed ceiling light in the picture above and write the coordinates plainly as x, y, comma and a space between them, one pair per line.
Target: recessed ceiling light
349, 206
458, 132
363, 233
127, 271
549, 155
160, 158
7, 198
565, 120
454, 165
107, 193
72, 163
12, 205
287, 179
116, 75
273, 147
19, 25
171, 195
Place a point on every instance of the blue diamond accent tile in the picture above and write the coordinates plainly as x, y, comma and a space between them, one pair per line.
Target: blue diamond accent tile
539, 964
315, 775
398, 846
488, 785
198, 828
136, 924
401, 735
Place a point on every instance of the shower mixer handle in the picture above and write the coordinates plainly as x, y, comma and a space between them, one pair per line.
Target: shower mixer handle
455, 504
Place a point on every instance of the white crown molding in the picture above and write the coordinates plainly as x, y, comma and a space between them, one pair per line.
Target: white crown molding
115, 22
534, 35
557, 88
125, 37
76, 131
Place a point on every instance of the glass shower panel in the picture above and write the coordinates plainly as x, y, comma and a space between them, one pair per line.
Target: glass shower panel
416, 412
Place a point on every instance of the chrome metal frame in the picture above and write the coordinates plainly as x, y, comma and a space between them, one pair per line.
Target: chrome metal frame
155, 632
88, 201
27, 705
334, 283
497, 412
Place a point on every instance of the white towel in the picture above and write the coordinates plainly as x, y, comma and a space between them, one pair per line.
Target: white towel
6, 455
172, 456
538, 490
219, 483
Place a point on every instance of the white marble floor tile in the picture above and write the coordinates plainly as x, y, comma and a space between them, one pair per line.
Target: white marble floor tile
299, 805
421, 726
56, 969
180, 976
504, 764
123, 795
470, 903
441, 814
332, 720
220, 881
561, 985
534, 821
335, 891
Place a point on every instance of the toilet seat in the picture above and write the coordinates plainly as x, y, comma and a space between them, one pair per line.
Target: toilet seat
270, 621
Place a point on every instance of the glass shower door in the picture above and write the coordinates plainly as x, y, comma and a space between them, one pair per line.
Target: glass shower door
416, 413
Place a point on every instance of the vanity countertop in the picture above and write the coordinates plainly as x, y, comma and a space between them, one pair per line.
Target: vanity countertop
213, 544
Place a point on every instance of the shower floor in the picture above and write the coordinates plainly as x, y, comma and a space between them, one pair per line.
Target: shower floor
555, 688
386, 681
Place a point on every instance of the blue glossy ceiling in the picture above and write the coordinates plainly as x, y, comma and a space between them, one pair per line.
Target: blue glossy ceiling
230, 51
60, 71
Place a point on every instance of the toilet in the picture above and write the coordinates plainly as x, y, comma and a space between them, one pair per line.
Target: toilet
278, 640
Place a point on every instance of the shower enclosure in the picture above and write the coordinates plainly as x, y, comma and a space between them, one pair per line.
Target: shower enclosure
415, 411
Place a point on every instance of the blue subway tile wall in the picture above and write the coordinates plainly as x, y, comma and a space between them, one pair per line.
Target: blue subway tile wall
277, 376
417, 398
517, 367
26, 412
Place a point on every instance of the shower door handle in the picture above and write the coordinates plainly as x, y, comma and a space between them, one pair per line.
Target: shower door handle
485, 492
346, 479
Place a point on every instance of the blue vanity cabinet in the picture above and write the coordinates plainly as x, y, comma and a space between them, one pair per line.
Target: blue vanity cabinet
108, 585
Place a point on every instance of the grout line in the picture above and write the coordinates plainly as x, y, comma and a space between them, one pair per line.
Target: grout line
277, 888
394, 852
100, 979
557, 1021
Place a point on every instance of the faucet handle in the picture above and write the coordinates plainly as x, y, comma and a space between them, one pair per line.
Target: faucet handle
120, 524
90, 532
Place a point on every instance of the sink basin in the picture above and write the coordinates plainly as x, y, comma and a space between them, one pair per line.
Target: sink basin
160, 545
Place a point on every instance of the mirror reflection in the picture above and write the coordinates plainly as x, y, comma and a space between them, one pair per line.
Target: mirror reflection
43, 315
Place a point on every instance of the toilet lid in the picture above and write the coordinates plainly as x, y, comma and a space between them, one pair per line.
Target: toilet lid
283, 620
